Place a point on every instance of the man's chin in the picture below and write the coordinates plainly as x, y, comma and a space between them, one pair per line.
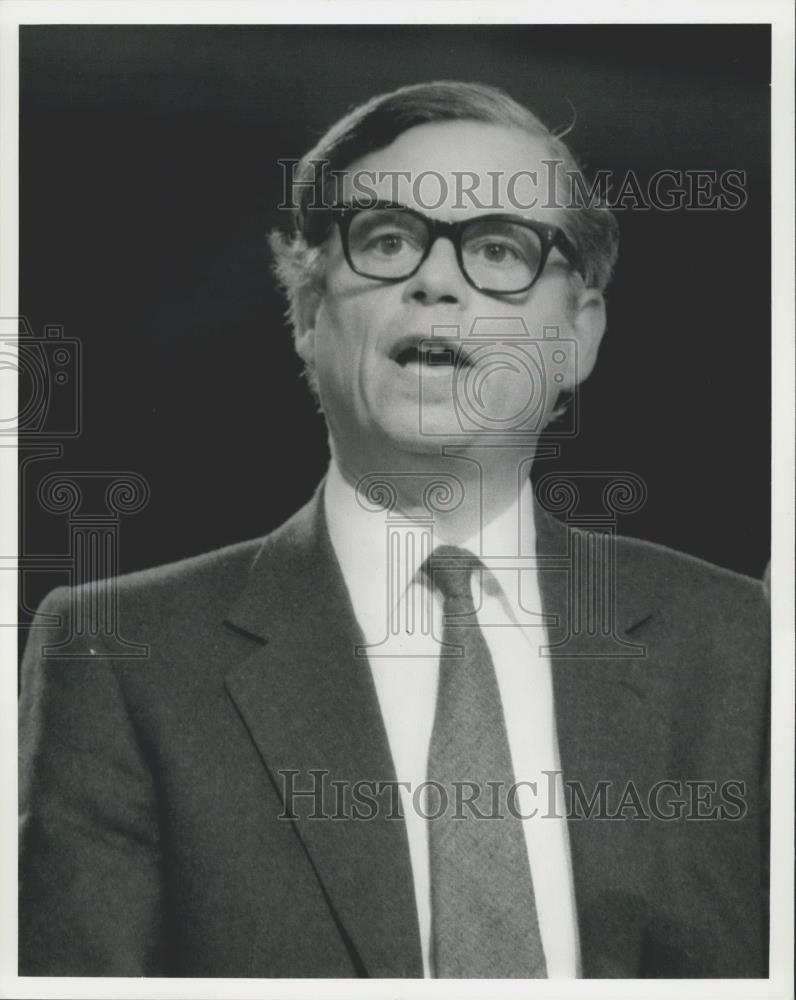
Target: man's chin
412, 439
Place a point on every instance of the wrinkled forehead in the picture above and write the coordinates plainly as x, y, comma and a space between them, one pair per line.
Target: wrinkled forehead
461, 168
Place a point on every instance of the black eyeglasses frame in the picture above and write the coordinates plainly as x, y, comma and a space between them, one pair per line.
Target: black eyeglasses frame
552, 236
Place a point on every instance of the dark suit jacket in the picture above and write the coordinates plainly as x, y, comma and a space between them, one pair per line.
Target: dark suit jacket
150, 789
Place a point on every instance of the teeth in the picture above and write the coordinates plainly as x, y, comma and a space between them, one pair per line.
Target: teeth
435, 357
438, 356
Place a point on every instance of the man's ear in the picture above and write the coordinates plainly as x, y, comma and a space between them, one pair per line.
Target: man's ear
304, 312
305, 345
587, 329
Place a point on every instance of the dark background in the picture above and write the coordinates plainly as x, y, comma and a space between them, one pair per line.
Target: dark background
149, 180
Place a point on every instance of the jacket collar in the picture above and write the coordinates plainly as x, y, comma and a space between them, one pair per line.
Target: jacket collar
293, 560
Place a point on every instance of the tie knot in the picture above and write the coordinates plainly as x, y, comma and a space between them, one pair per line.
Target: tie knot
449, 568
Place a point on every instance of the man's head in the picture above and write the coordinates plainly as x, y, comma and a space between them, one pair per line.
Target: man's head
444, 152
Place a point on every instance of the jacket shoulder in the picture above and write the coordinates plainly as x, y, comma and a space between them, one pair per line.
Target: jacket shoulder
177, 605
174, 608
210, 576
670, 569
687, 589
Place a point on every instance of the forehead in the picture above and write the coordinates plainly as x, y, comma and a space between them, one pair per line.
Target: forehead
456, 168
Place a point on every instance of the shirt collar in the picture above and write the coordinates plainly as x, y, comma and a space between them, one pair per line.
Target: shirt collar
359, 536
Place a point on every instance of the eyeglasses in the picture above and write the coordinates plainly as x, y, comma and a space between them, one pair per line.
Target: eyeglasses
503, 254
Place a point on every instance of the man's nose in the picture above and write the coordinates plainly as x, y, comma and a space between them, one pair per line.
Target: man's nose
439, 278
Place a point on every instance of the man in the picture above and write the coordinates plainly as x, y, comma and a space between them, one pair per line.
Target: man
380, 741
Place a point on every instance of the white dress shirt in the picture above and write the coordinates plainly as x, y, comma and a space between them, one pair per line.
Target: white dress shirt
405, 671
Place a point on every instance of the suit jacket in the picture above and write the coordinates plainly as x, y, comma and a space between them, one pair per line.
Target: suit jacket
151, 789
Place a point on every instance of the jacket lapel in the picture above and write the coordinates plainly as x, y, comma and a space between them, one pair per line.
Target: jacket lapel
310, 705
607, 722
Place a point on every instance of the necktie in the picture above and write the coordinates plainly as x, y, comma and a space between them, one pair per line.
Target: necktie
483, 914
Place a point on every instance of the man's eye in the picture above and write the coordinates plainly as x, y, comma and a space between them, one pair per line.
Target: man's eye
389, 244
499, 253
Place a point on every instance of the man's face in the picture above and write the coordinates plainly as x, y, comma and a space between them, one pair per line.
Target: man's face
377, 394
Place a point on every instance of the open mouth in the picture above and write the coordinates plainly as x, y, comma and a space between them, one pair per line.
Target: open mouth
442, 357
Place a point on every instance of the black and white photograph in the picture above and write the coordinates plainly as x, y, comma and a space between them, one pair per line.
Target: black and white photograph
399, 415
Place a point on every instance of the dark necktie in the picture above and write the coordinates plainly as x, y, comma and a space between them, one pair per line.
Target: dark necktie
483, 913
